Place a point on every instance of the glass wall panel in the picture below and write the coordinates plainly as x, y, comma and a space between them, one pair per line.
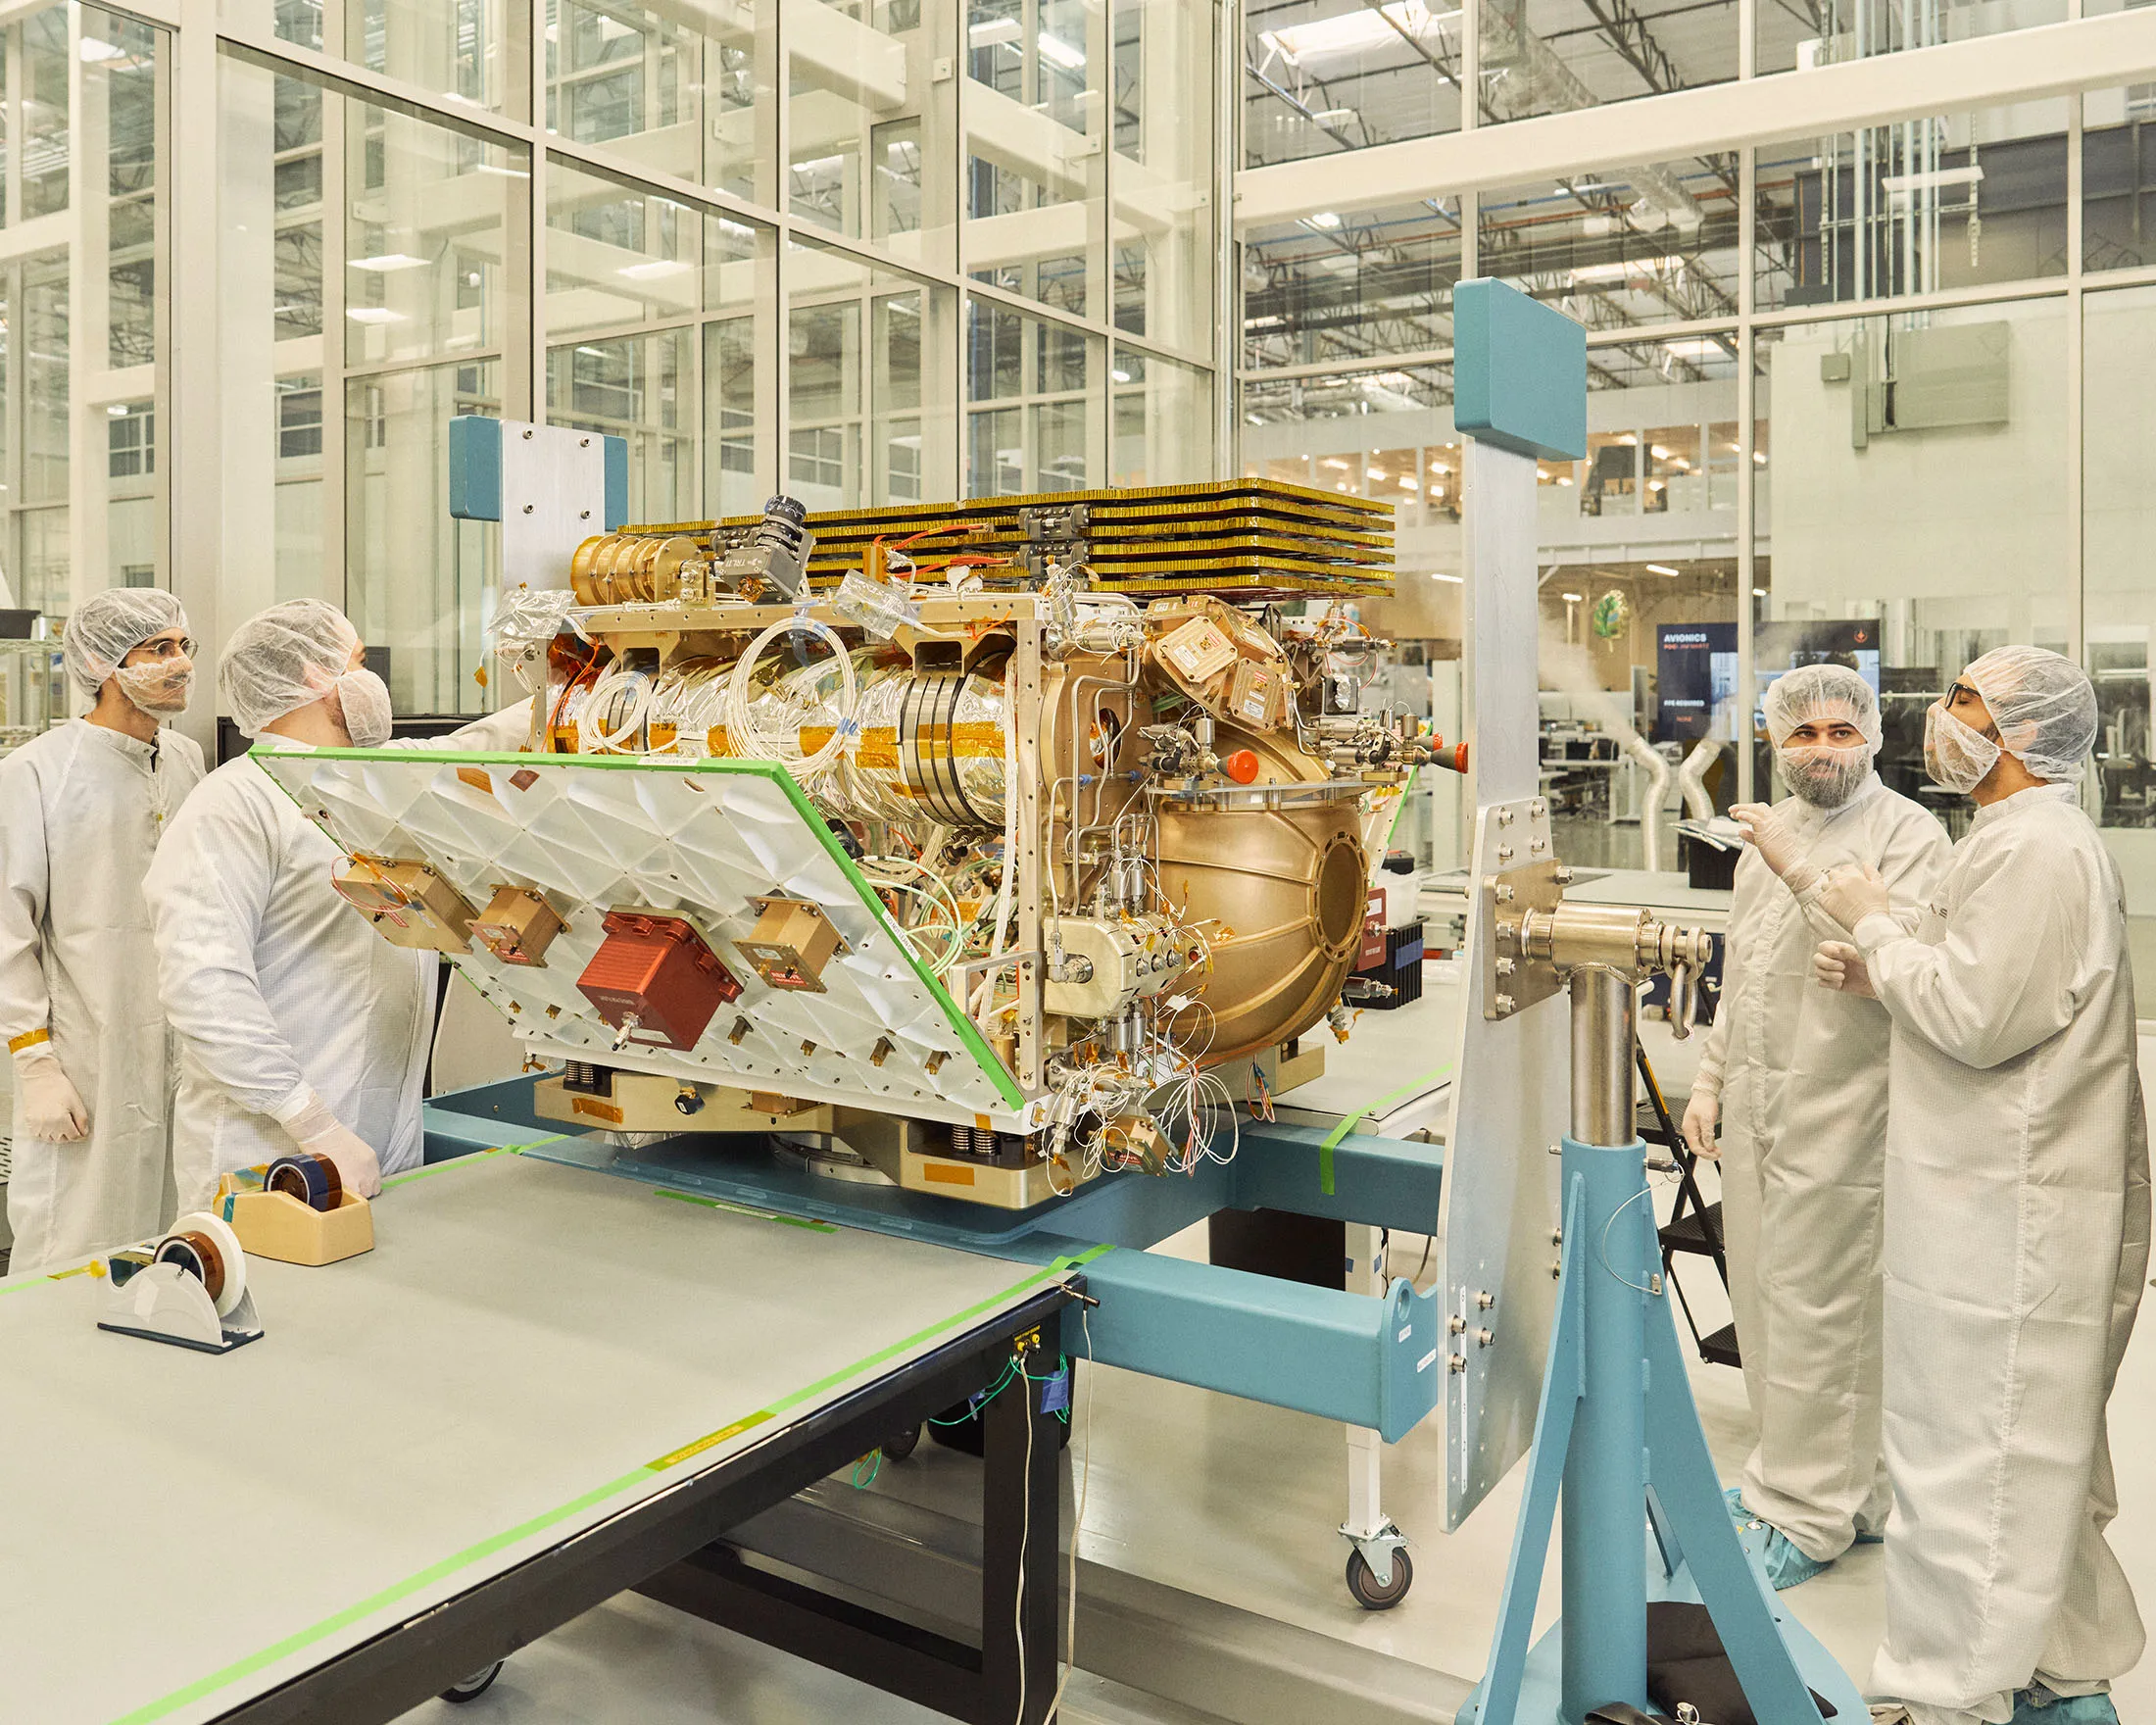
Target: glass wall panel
2118, 179
685, 95
864, 87
1821, 32
429, 216
1341, 288
1034, 135
1163, 421
84, 317
1165, 235
2119, 564
1630, 246
1916, 515
1555, 56
418, 584
1921, 206
335, 442
457, 48
1323, 75
1034, 403
870, 361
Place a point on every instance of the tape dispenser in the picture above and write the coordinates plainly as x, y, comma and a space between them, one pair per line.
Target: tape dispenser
189, 1289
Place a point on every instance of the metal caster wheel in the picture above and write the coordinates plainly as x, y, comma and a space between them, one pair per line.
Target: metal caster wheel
1362, 1582
474, 1686
899, 1447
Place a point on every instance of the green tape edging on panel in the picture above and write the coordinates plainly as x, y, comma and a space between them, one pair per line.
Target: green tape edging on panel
537, 1524
962, 1027
1348, 1125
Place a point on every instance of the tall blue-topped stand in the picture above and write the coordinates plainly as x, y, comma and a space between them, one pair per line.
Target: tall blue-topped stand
1617, 1437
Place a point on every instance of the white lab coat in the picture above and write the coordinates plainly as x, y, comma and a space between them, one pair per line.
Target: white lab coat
275, 985
2017, 1240
81, 811
1803, 1087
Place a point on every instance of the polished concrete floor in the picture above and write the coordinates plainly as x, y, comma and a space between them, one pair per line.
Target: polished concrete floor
1239, 1502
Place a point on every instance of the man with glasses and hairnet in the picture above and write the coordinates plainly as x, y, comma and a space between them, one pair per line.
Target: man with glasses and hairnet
1795, 1077
2017, 1218
298, 1024
82, 809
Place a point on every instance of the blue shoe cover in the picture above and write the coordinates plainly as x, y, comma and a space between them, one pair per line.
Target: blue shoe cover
1782, 1564
2037, 1706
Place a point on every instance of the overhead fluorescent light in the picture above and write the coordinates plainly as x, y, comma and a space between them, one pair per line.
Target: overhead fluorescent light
1452, 580
373, 315
590, 352
655, 269
1325, 219
1661, 452
1252, 419
1759, 592
1057, 52
505, 172
1575, 598
1357, 31
1626, 268
94, 51
1900, 185
1699, 347
1120, 376
387, 263
1660, 569
995, 29
117, 410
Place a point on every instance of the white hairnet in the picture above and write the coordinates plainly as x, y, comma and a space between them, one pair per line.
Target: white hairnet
283, 658
1822, 693
107, 626
2044, 705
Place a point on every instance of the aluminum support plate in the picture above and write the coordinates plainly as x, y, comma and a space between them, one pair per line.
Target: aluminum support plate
1500, 1195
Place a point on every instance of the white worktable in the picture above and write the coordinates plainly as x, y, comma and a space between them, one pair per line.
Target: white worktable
519, 1359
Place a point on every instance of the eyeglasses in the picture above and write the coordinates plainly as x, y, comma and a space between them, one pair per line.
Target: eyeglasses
164, 647
1961, 691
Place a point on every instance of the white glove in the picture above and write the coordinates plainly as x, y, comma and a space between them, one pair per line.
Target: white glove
52, 1108
1768, 832
358, 1166
1701, 1115
1853, 894
319, 1132
1838, 966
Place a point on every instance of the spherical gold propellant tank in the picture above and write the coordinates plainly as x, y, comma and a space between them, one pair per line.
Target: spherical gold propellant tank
1288, 882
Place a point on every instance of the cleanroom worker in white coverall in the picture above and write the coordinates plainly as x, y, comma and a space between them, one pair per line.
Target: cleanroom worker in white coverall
2017, 1218
1796, 1076
82, 809
299, 1025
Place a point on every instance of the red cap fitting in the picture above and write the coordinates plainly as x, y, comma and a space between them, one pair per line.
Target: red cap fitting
1242, 766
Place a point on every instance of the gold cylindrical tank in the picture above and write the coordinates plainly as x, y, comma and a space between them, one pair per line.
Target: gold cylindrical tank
1289, 884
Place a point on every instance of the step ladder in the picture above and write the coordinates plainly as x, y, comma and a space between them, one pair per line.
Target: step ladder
1695, 1226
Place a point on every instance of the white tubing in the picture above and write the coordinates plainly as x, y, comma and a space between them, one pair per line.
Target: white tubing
1691, 779
1650, 800
741, 727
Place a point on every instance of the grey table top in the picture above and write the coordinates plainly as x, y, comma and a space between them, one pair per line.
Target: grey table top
1396, 1068
529, 1350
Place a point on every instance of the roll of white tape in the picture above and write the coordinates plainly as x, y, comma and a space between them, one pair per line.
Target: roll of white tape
228, 1247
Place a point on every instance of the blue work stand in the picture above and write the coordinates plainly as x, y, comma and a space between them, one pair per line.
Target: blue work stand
1617, 1436
1362, 1359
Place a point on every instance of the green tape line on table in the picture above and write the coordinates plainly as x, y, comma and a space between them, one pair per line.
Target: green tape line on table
487, 1548
1332, 1138
469, 1159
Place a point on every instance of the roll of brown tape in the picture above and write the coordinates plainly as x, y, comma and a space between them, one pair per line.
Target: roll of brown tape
312, 1179
199, 1256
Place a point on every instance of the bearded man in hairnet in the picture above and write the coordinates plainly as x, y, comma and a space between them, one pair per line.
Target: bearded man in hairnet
82, 810
1795, 1077
2017, 1218
299, 1025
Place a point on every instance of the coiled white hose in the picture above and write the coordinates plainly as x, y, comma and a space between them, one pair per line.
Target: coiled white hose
747, 734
